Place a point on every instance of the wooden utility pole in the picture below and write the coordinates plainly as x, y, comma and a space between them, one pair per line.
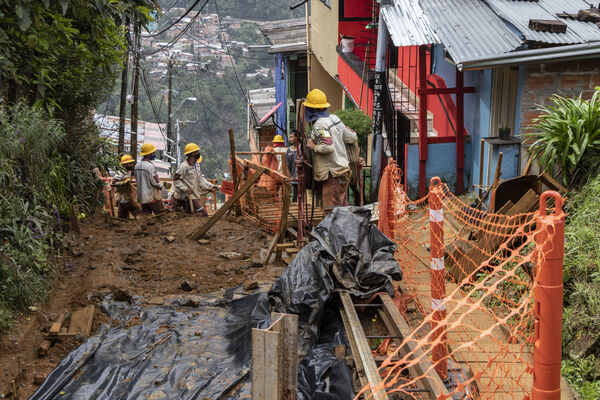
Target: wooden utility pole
123, 104
234, 174
169, 100
136, 81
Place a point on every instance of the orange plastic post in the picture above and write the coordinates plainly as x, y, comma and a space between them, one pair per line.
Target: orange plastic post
438, 285
548, 293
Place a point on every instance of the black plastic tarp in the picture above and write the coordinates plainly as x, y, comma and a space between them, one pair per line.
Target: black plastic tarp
347, 254
177, 351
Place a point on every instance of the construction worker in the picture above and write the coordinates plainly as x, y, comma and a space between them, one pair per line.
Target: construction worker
291, 157
123, 184
328, 139
279, 147
190, 185
149, 187
271, 161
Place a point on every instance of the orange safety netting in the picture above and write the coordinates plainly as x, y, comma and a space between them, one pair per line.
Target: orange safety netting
263, 202
471, 276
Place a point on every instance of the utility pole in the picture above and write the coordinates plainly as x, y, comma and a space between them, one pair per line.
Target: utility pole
123, 104
136, 81
378, 99
169, 100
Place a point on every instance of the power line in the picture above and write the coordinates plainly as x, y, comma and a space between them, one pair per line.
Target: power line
231, 58
179, 35
178, 19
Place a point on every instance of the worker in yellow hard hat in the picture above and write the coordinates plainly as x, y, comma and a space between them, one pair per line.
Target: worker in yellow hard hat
149, 187
190, 185
279, 147
123, 185
328, 139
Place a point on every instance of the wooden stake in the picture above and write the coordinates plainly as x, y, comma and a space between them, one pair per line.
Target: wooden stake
197, 233
238, 210
481, 158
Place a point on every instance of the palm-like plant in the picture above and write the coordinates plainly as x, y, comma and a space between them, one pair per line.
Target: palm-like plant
564, 132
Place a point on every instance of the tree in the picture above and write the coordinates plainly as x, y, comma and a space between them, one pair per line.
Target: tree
63, 54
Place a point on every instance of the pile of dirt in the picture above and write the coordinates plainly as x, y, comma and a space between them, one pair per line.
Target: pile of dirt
151, 258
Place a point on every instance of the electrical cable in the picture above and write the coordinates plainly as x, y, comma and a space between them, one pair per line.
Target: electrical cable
154, 34
179, 35
232, 61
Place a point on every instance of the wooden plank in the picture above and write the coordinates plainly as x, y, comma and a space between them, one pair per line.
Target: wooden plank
398, 327
197, 233
54, 329
279, 177
272, 366
487, 244
552, 183
362, 347
238, 210
258, 362
360, 370
285, 208
81, 321
287, 326
272, 248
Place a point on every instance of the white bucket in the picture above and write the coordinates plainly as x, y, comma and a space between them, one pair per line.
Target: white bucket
347, 44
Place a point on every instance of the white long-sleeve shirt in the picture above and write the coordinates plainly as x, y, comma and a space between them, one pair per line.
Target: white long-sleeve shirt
148, 185
190, 177
331, 137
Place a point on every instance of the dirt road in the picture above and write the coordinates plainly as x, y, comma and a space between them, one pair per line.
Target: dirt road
139, 258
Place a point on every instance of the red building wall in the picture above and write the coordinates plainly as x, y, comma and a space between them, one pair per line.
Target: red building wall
353, 19
354, 83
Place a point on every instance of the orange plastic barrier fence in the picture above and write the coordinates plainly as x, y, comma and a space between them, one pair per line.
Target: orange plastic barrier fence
262, 203
488, 295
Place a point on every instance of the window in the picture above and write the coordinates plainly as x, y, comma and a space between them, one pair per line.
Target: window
327, 3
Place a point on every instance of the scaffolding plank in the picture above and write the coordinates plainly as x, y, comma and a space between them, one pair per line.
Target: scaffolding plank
360, 349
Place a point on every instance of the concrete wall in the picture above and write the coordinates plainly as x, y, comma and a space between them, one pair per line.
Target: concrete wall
441, 163
324, 34
320, 79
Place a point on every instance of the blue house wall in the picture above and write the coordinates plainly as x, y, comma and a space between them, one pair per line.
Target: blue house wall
477, 110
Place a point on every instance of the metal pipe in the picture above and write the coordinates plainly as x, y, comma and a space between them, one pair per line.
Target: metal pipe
337, 79
378, 98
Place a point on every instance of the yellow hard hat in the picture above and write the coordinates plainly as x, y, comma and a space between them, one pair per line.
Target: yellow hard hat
199, 160
126, 159
190, 148
278, 139
316, 99
147, 148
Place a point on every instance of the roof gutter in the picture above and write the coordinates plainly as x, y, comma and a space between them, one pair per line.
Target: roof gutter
549, 54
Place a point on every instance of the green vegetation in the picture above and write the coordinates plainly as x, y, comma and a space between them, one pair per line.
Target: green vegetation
38, 183
581, 322
565, 133
358, 121
59, 60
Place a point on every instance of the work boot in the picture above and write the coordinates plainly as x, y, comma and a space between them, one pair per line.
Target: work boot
202, 211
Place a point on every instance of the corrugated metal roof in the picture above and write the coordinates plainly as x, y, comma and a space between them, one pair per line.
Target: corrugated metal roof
519, 13
407, 24
469, 28
285, 36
